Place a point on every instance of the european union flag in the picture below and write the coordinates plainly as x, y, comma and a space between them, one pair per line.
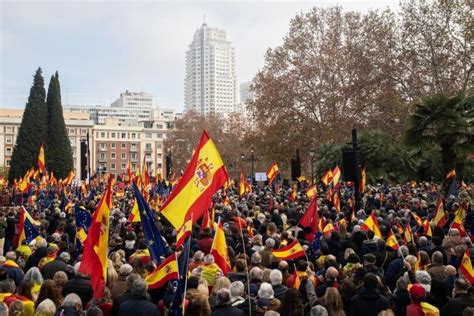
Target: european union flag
150, 230
175, 308
83, 218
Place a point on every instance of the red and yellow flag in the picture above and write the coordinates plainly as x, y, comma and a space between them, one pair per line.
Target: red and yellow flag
458, 222
204, 175
408, 235
272, 172
392, 241
41, 161
294, 192
372, 224
291, 251
219, 249
311, 192
94, 260
69, 178
166, 271
363, 179
427, 228
328, 228
183, 233
336, 201
440, 217
327, 176
242, 184
336, 175
417, 218
466, 267
451, 174
134, 214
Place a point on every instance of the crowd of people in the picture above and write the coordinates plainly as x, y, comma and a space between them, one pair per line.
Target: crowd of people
345, 271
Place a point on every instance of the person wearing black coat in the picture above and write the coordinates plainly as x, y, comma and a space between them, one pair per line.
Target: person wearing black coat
56, 265
79, 285
224, 307
462, 299
369, 301
138, 304
35, 257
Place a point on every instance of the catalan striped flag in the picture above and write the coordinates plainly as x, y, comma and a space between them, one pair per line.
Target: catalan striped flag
372, 224
272, 172
28, 230
42, 162
392, 242
94, 260
166, 271
219, 249
292, 251
466, 267
203, 176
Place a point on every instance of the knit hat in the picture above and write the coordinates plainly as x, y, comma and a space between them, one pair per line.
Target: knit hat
125, 269
417, 291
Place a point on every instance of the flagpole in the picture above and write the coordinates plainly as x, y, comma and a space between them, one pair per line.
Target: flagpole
186, 275
246, 266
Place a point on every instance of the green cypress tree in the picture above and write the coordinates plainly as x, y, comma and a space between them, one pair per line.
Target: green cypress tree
58, 152
33, 129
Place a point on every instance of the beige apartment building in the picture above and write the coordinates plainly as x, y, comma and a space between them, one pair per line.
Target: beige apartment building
112, 145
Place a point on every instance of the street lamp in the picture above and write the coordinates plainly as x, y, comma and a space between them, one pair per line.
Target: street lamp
311, 154
252, 160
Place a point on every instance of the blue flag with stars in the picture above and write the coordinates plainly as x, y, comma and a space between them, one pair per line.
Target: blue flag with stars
150, 230
83, 218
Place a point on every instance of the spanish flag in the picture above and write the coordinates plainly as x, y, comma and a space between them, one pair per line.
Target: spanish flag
363, 179
466, 267
458, 222
372, 224
94, 260
417, 218
183, 233
272, 172
327, 176
427, 228
336, 201
134, 216
392, 241
166, 271
336, 175
129, 171
297, 283
219, 249
294, 192
291, 251
41, 161
203, 176
69, 178
440, 217
408, 235
328, 228
242, 184
311, 192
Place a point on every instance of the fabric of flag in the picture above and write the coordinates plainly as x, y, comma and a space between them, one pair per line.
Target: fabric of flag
83, 218
129, 171
204, 175
250, 230
94, 260
336, 201
145, 174
183, 233
311, 218
427, 228
312, 192
301, 179
219, 249
41, 161
458, 222
363, 179
291, 251
392, 241
28, 230
70, 176
272, 172
440, 217
206, 221
417, 218
372, 224
166, 271
297, 283
328, 228
466, 267
294, 192
451, 174
408, 235
150, 230
134, 216
178, 297
327, 176
336, 175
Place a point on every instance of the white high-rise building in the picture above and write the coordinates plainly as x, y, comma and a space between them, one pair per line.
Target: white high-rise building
211, 83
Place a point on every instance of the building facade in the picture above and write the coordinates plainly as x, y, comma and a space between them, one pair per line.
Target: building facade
211, 83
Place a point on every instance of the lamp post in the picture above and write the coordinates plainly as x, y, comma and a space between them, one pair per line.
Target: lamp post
252, 160
311, 154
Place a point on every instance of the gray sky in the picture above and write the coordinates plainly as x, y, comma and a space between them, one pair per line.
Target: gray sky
102, 48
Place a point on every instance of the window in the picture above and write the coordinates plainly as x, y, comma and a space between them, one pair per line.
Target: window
159, 155
122, 166
8, 140
8, 129
133, 135
133, 156
83, 131
112, 135
159, 135
147, 135
124, 145
8, 162
102, 134
8, 151
147, 146
148, 156
113, 145
134, 167
158, 146
112, 155
123, 135
133, 147
102, 146
112, 166
159, 166
124, 156
102, 156
72, 131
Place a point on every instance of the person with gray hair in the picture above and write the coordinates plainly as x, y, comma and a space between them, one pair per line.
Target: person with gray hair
224, 306
127, 295
72, 305
319, 310
266, 252
276, 279
138, 304
396, 268
14, 271
437, 267
424, 278
266, 300
60, 263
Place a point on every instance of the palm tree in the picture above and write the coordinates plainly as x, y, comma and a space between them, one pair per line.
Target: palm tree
447, 123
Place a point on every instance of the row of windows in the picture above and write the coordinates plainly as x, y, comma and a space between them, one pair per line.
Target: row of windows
113, 166
123, 156
124, 135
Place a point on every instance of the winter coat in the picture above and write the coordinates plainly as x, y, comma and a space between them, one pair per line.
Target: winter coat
35, 258
368, 246
457, 305
227, 310
394, 271
81, 286
265, 304
66, 311
54, 266
118, 287
205, 244
279, 291
138, 306
368, 302
437, 272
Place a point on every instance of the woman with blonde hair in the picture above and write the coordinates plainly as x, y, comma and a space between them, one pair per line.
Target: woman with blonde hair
117, 259
46, 308
112, 275
221, 283
332, 302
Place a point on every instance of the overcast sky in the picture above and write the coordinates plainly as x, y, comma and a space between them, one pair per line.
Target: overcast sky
103, 48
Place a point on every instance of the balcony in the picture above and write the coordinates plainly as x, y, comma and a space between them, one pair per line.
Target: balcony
133, 149
148, 150
102, 148
102, 159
